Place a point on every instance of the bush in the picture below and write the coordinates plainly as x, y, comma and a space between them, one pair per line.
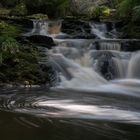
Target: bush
98, 11
53, 8
19, 10
125, 8
7, 30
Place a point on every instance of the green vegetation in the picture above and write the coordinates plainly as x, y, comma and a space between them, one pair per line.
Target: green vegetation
38, 16
129, 11
19, 62
53, 8
98, 11
7, 30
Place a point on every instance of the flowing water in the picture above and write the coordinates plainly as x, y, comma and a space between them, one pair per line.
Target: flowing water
97, 96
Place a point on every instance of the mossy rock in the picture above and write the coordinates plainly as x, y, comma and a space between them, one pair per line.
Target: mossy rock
38, 16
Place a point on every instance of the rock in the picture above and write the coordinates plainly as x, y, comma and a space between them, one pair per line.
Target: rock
84, 36
38, 16
131, 46
65, 36
74, 26
27, 84
41, 40
54, 27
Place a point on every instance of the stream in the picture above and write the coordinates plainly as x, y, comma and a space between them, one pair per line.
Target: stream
96, 96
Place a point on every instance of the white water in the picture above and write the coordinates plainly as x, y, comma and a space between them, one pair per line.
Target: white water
85, 66
81, 66
42, 28
110, 46
99, 30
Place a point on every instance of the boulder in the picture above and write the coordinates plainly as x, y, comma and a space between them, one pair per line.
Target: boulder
41, 40
74, 26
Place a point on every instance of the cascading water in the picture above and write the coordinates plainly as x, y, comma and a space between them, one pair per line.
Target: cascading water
134, 66
110, 46
93, 100
100, 30
46, 28
80, 64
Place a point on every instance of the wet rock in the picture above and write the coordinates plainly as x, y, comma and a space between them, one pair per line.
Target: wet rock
63, 37
84, 36
131, 46
41, 40
74, 26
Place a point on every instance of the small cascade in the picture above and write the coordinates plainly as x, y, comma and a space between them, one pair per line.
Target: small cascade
87, 63
99, 30
40, 27
102, 31
134, 66
110, 46
75, 75
110, 64
89, 67
46, 28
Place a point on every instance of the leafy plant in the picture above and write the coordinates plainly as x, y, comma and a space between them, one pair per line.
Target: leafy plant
98, 11
7, 30
8, 47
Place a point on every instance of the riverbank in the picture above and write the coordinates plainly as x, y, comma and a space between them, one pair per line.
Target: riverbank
20, 62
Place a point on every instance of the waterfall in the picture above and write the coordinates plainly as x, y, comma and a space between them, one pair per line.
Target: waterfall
81, 76
110, 46
110, 64
134, 66
78, 62
99, 30
46, 28
79, 67
40, 27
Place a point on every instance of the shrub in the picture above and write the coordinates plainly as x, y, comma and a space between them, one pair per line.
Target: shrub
98, 11
125, 8
7, 30
19, 10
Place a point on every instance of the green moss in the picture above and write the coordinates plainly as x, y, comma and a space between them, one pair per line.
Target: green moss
98, 11
38, 16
